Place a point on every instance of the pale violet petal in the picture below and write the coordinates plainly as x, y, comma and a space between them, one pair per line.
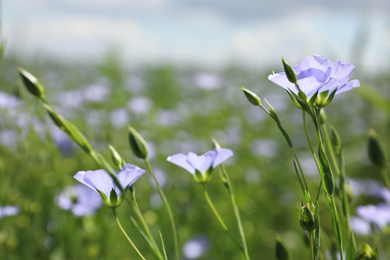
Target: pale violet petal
315, 61
341, 69
128, 176
223, 155
348, 86
80, 177
195, 161
100, 180
181, 160
281, 80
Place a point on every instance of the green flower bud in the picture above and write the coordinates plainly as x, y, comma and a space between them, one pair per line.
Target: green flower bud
137, 144
252, 97
282, 251
290, 73
308, 216
377, 151
322, 116
31, 83
326, 172
366, 253
116, 158
336, 141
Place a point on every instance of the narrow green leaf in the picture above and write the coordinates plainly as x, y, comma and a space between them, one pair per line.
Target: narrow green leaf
281, 250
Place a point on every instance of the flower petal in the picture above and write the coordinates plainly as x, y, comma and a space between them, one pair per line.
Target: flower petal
348, 86
341, 69
100, 180
315, 61
281, 80
80, 177
129, 174
201, 163
223, 154
181, 160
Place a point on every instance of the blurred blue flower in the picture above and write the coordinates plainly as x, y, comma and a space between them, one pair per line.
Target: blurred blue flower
376, 214
101, 182
8, 101
8, 211
201, 166
317, 73
360, 226
80, 200
196, 247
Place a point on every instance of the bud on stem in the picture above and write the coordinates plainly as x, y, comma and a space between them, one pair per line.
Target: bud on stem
137, 144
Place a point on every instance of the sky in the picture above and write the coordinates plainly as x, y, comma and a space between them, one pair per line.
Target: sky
204, 32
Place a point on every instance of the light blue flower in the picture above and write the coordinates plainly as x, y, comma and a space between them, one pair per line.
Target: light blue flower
317, 74
80, 200
101, 182
376, 214
8, 211
201, 166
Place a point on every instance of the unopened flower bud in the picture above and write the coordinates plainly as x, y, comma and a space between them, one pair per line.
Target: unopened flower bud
322, 116
308, 217
366, 253
326, 172
290, 73
377, 151
31, 83
282, 251
137, 143
116, 158
336, 141
252, 97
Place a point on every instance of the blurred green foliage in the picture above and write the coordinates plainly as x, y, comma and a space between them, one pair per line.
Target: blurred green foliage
179, 110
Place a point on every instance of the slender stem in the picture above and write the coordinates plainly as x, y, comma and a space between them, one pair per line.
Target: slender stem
337, 227
236, 212
128, 238
311, 242
330, 150
308, 140
145, 225
220, 219
386, 177
165, 201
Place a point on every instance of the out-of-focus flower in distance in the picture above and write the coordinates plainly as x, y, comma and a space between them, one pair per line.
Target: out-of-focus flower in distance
96, 93
376, 214
317, 73
8, 211
140, 105
79, 199
201, 166
360, 226
8, 101
119, 117
207, 81
369, 187
196, 247
62, 140
101, 182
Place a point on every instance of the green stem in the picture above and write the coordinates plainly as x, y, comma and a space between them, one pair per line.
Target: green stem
308, 140
336, 224
220, 219
330, 150
386, 177
145, 225
128, 238
236, 212
311, 242
165, 201
289, 142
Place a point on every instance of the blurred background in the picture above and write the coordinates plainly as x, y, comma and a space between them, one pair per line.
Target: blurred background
173, 69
